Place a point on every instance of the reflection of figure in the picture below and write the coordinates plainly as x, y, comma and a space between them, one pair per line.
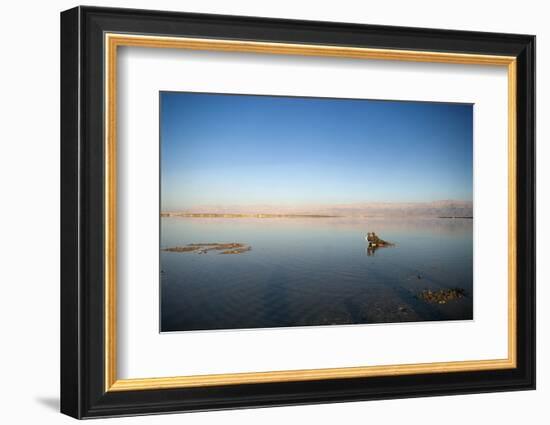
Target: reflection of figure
371, 249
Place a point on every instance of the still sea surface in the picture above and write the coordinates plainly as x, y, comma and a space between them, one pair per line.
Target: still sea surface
313, 271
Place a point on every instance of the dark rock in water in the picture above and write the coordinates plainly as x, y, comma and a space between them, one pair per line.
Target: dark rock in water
442, 296
204, 248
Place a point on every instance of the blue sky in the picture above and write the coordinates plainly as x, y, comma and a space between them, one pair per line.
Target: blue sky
244, 150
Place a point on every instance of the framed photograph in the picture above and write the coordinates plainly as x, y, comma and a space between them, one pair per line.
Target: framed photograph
261, 212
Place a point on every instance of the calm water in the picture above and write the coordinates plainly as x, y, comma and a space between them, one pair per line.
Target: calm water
313, 271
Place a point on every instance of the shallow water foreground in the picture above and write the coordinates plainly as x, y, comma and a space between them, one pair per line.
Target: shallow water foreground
314, 271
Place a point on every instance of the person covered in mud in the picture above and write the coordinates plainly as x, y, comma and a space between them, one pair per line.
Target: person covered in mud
375, 242
373, 239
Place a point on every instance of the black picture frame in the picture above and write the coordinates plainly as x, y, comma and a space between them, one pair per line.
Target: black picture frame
83, 392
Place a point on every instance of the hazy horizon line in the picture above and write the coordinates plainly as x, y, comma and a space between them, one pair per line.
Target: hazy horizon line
325, 205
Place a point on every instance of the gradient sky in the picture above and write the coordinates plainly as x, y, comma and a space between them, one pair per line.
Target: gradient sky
243, 150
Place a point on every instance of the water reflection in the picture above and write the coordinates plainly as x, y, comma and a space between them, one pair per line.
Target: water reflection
313, 271
371, 249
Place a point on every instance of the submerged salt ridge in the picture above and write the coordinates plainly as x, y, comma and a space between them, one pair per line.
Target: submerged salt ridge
314, 271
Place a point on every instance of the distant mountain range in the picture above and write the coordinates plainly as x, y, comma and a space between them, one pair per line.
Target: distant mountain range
444, 208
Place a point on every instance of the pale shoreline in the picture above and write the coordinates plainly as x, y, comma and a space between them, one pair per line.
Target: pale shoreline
275, 215
239, 215
435, 209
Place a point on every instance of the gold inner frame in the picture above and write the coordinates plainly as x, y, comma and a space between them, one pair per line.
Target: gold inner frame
113, 41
